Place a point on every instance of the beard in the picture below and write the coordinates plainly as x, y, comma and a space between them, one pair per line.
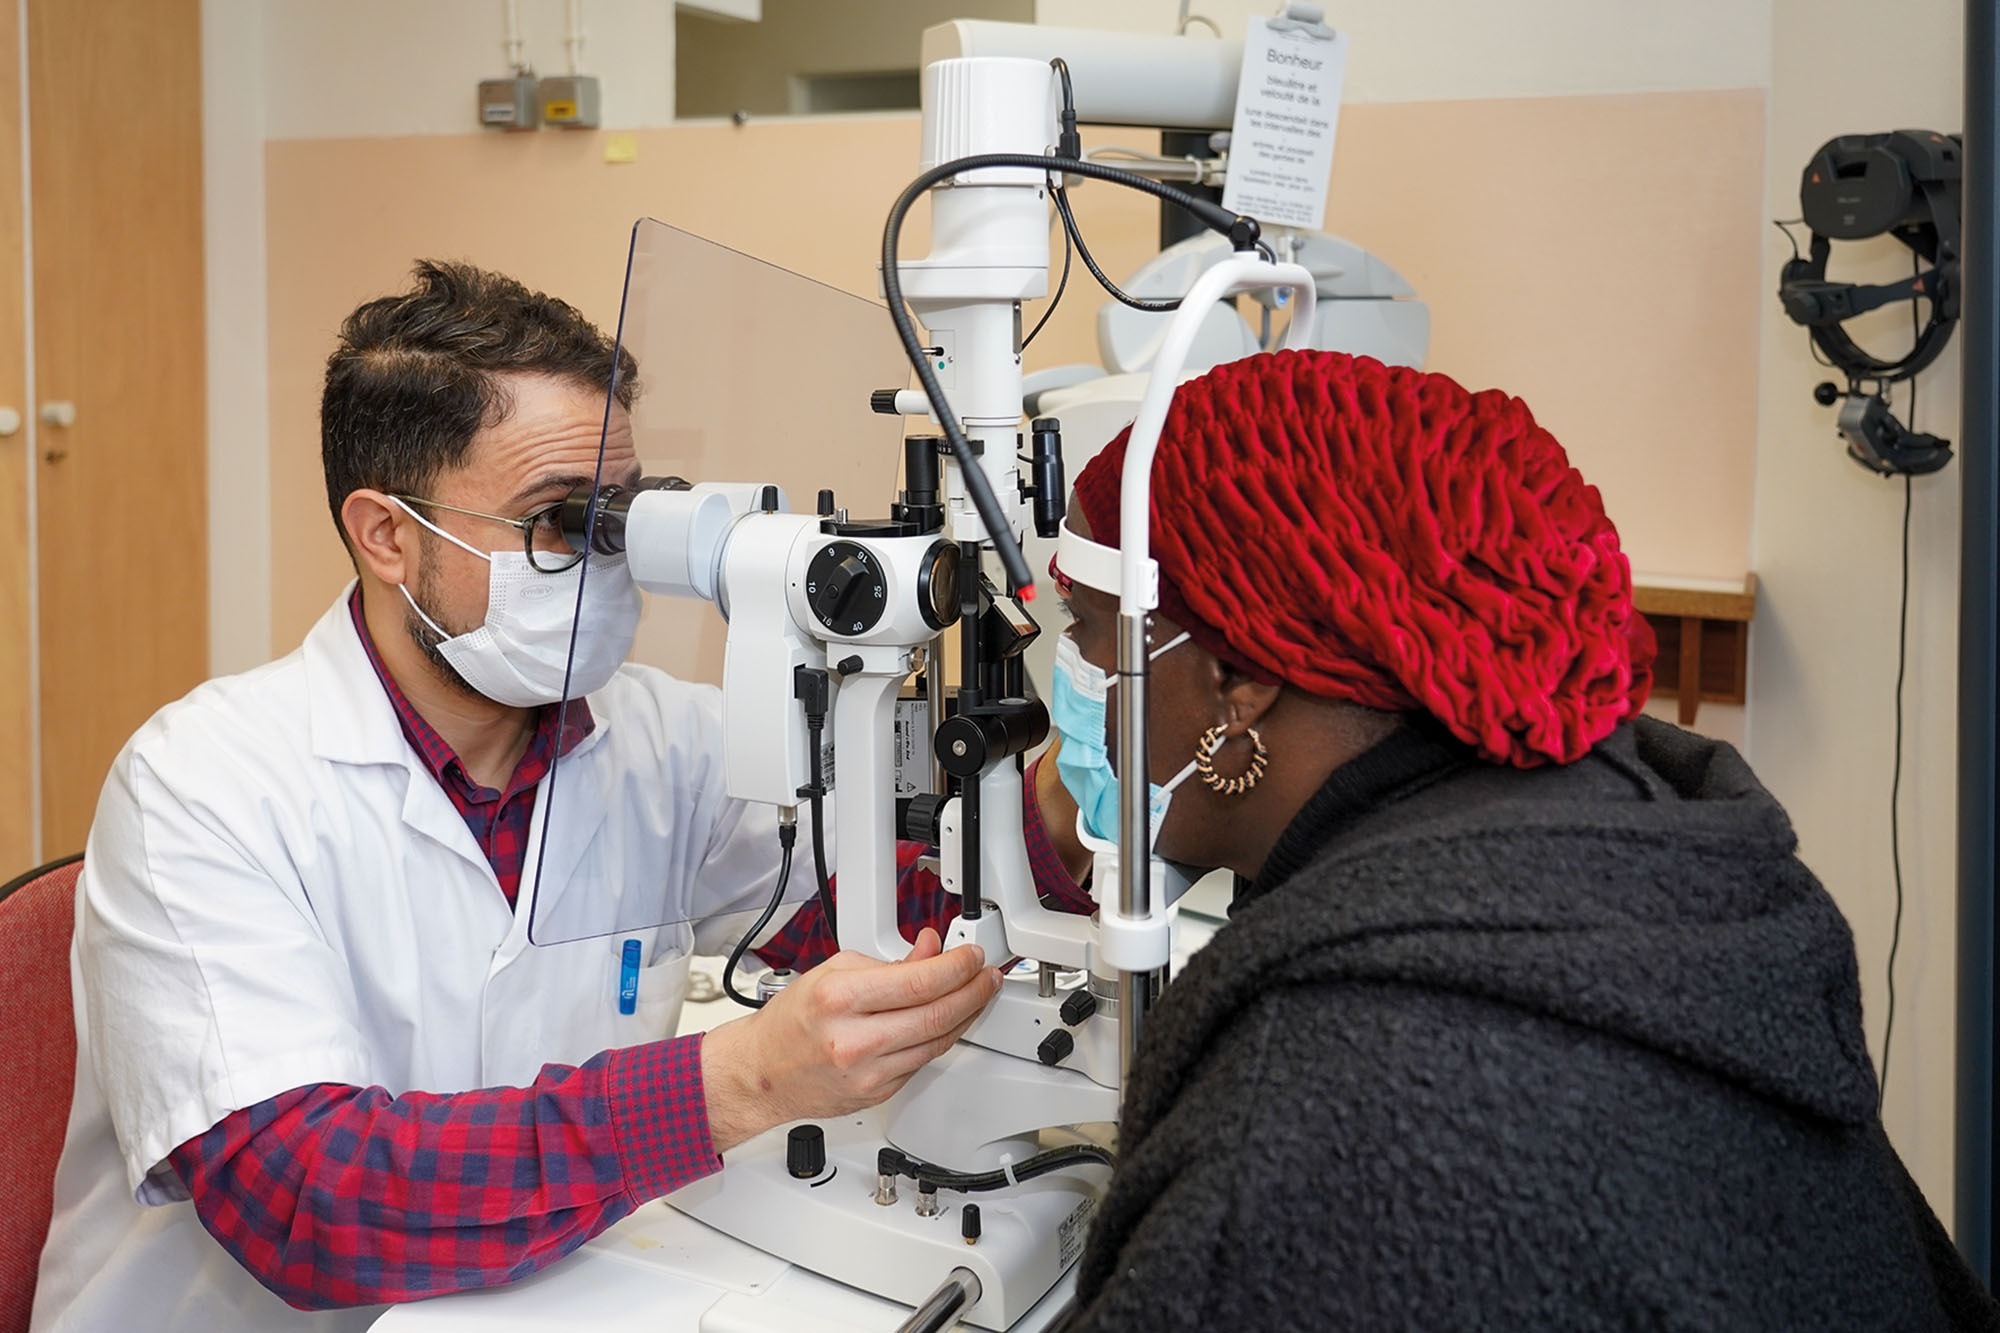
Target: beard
426, 638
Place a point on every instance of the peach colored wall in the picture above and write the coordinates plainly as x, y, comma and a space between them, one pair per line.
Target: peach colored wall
1598, 255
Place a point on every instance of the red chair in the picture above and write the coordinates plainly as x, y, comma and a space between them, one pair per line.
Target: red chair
37, 1068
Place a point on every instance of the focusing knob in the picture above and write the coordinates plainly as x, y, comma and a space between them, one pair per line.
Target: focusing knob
1080, 1005
962, 746
1055, 1047
919, 820
805, 1152
845, 588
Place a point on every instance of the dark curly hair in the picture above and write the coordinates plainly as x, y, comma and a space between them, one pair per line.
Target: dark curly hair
416, 376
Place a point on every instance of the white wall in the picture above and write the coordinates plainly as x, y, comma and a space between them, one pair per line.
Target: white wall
239, 415
307, 69
1826, 539
342, 68
1440, 50
722, 68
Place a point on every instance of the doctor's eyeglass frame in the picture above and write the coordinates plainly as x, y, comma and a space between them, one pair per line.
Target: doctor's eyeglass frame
544, 521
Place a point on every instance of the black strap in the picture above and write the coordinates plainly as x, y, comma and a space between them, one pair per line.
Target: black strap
1938, 284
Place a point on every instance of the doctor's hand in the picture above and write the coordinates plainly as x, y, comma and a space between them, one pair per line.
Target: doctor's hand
843, 1036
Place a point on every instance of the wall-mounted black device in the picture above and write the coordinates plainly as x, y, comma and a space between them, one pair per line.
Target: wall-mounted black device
1905, 184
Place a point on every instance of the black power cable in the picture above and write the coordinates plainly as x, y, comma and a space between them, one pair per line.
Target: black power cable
1896, 767
812, 687
788, 833
975, 1182
814, 728
1896, 783
1061, 286
1071, 230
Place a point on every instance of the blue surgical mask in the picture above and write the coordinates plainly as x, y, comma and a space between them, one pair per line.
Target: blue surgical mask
1076, 707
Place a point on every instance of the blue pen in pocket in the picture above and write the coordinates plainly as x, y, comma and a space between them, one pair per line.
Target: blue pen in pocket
628, 978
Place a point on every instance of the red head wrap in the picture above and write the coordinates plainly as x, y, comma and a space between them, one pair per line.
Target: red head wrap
1380, 535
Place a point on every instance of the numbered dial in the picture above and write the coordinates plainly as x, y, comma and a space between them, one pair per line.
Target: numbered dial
845, 588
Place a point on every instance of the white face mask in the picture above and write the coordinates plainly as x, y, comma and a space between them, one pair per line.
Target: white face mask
519, 655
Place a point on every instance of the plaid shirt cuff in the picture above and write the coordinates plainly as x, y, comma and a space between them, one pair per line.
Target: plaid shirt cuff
659, 1116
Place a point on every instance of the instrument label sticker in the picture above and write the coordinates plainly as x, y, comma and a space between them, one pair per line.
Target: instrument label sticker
1070, 1235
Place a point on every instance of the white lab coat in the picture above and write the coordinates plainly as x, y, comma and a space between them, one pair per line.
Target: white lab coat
277, 893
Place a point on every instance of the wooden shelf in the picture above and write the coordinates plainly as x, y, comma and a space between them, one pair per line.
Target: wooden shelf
1703, 628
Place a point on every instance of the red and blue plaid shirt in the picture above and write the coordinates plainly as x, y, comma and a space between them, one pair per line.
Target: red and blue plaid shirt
333, 1195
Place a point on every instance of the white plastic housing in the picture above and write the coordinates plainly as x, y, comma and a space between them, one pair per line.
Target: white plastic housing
864, 815
1121, 78
764, 737
1033, 1232
988, 106
674, 540
989, 253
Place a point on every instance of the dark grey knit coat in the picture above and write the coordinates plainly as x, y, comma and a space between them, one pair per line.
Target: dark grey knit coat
1573, 1048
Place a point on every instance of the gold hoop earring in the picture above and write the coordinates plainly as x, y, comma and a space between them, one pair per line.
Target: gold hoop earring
1204, 766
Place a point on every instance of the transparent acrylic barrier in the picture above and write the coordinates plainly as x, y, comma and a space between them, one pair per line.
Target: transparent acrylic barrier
747, 373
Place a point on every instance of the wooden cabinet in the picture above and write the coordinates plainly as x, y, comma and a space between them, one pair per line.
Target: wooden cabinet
103, 488
1703, 628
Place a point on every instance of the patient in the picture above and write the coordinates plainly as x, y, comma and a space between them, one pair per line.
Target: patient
1527, 1015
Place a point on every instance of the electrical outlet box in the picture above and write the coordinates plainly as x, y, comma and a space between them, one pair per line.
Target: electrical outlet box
510, 104
570, 101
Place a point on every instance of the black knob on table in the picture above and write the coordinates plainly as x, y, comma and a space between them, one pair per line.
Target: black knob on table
805, 1152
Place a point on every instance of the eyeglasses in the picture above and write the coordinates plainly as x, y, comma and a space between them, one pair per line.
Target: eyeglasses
541, 532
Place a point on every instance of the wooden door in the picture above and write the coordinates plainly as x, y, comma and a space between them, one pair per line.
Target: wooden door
114, 91
17, 763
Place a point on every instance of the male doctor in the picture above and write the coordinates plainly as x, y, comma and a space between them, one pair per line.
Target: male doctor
319, 1066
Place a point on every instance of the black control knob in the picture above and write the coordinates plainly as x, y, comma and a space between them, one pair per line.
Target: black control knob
845, 588
1055, 1047
968, 1223
1080, 1005
917, 819
805, 1152
962, 746
837, 588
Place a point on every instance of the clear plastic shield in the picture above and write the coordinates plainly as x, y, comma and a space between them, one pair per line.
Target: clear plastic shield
746, 373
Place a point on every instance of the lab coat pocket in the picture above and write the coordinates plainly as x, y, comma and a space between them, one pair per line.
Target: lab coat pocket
653, 992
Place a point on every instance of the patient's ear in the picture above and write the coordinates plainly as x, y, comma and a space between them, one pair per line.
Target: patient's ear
1245, 702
